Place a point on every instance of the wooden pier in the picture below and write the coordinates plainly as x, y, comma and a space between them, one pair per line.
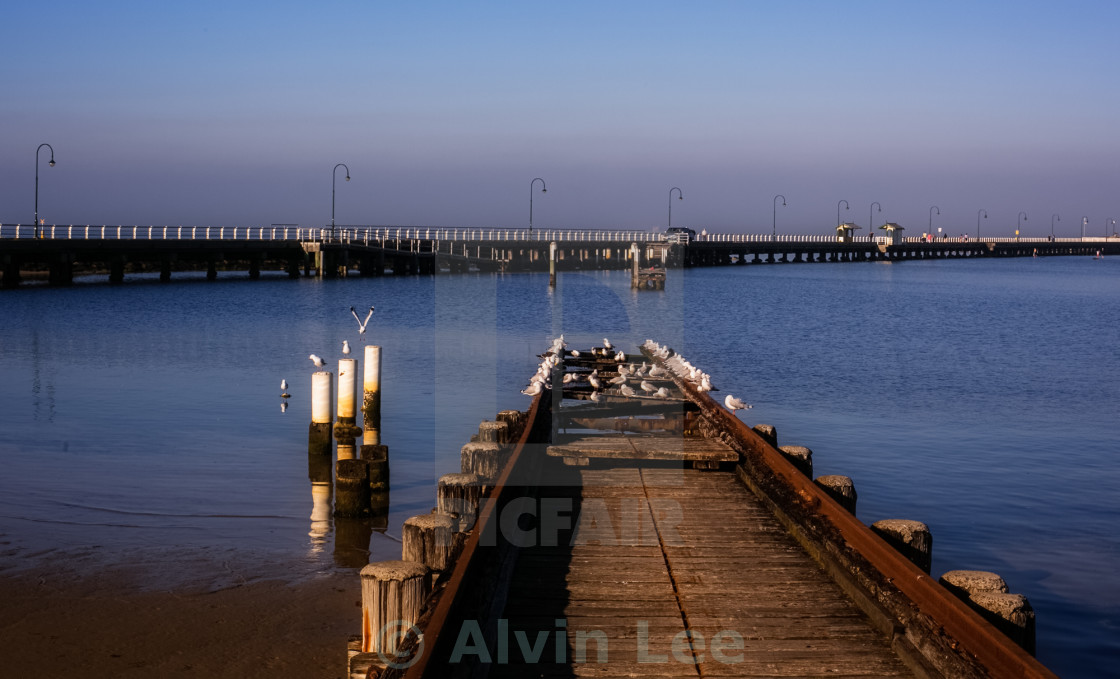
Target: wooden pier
640, 528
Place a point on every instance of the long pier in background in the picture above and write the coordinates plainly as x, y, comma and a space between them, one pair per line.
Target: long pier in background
59, 252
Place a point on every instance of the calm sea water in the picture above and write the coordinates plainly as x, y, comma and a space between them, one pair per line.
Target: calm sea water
141, 426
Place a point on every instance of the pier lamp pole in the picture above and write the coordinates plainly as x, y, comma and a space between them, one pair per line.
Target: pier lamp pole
1052, 218
1108, 222
1019, 224
846, 207
544, 189
871, 221
680, 196
37, 182
334, 176
774, 233
1084, 221
978, 221
931, 209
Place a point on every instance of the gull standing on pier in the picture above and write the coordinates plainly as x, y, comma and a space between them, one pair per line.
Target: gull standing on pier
733, 403
362, 324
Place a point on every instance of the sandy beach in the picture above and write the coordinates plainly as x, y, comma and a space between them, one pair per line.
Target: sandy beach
103, 625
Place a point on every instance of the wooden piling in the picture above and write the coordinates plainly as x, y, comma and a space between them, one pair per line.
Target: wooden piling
768, 432
965, 583
1012, 614
428, 539
552, 264
494, 432
351, 488
393, 593
319, 434
459, 495
484, 458
377, 457
839, 488
801, 457
911, 538
371, 383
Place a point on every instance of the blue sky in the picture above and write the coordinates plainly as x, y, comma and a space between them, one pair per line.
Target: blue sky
203, 113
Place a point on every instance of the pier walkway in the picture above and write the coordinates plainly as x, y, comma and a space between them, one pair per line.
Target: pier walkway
694, 577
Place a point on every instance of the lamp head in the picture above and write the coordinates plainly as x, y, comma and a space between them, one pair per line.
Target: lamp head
52, 162
544, 190
347, 176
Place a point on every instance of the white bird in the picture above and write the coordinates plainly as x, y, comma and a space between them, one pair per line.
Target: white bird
625, 390
620, 357
345, 347
596, 397
575, 354
656, 371
647, 387
705, 384
284, 389
623, 370
607, 344
662, 393
319, 363
362, 324
533, 389
621, 379
593, 380
570, 377
733, 403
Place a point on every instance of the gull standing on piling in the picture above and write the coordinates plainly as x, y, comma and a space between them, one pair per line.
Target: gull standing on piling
345, 347
362, 324
319, 363
284, 389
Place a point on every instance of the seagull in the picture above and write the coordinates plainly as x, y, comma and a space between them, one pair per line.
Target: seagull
625, 390
345, 347
575, 354
533, 389
362, 324
621, 379
596, 397
733, 403
620, 357
284, 389
662, 393
319, 363
647, 387
593, 380
607, 344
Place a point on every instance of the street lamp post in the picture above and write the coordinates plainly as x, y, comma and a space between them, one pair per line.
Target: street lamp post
680, 196
1053, 217
1107, 223
931, 209
846, 207
40, 148
774, 233
1019, 224
978, 221
1084, 222
334, 176
871, 220
544, 189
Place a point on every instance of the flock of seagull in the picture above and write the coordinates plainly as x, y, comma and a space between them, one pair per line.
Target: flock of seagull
629, 373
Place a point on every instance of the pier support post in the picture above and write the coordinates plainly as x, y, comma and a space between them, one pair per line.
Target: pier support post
483, 458
346, 420
911, 538
371, 382
552, 264
459, 495
429, 539
964, 584
801, 457
393, 593
493, 432
319, 434
767, 432
351, 494
839, 488
1011, 614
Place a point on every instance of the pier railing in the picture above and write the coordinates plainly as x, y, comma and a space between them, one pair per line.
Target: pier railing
381, 234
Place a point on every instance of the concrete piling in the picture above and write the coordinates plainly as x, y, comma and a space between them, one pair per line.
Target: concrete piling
319, 434
839, 488
347, 390
459, 496
351, 488
393, 593
429, 539
912, 538
801, 457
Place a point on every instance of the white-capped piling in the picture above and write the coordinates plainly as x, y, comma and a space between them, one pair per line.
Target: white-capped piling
371, 383
911, 538
459, 496
351, 496
319, 434
839, 488
429, 539
801, 457
347, 390
393, 593
552, 264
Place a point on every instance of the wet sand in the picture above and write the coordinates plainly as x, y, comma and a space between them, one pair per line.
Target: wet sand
102, 625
